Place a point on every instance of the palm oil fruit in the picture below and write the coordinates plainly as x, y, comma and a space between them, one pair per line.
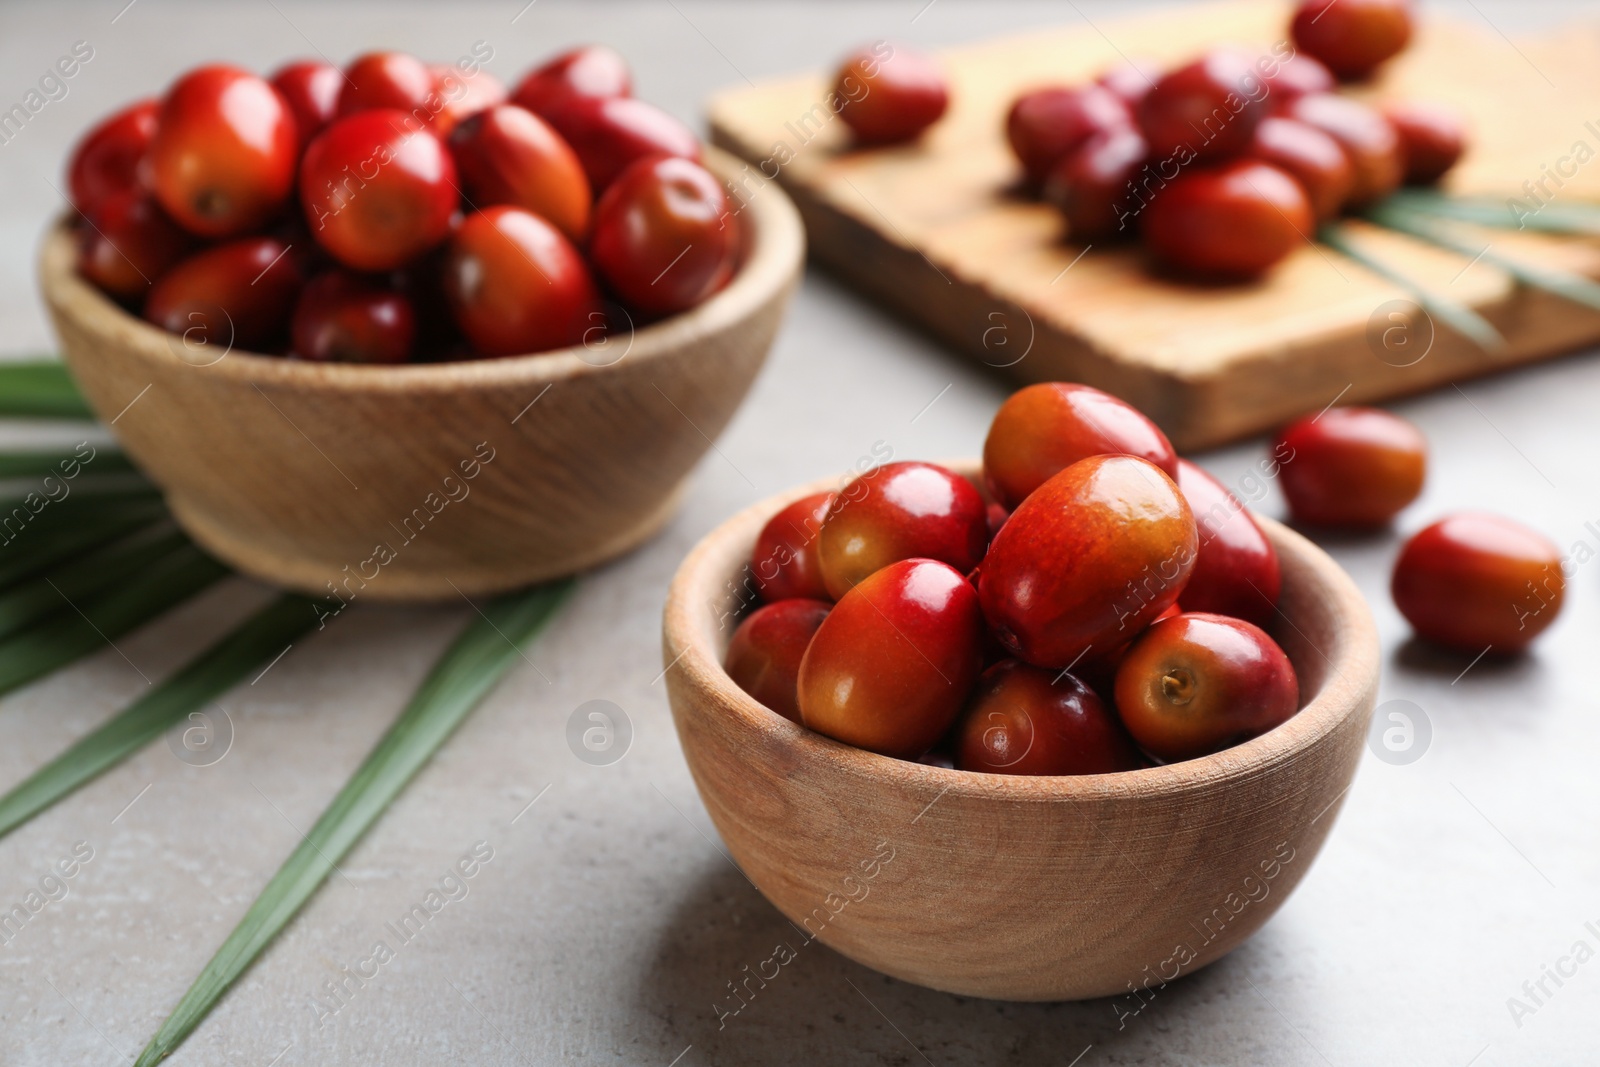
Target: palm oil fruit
1478, 583
1196, 682
1028, 720
901, 511
765, 651
1354, 467
1236, 569
1088, 560
785, 563
890, 667
1043, 429
888, 93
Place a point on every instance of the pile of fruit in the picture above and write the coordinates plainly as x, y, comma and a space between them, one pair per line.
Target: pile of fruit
398, 211
1222, 166
1102, 602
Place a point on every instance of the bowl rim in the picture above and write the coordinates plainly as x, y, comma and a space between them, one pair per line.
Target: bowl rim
774, 253
1348, 687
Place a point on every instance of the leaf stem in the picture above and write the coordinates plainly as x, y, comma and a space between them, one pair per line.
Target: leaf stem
1454, 314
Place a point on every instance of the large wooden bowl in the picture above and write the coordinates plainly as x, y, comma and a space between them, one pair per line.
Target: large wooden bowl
356, 478
1012, 887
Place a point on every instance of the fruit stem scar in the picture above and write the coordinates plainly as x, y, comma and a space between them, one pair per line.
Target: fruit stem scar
1177, 686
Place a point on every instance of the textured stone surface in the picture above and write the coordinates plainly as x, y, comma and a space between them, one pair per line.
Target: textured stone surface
607, 922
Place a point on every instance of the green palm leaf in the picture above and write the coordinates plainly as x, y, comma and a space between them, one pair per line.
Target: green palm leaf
52, 592
40, 389
1456, 315
460, 679
1575, 218
75, 528
38, 464
196, 684
1565, 284
88, 625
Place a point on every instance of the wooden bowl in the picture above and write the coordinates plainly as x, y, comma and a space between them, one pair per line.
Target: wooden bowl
1021, 888
374, 482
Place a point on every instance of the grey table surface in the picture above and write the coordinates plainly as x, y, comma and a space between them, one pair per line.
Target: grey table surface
607, 921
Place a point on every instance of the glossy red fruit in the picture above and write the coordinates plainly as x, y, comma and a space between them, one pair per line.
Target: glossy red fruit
131, 243
386, 80
515, 284
1308, 155
1087, 560
1432, 139
1027, 720
610, 133
1298, 75
1103, 186
765, 651
591, 71
1351, 466
1045, 428
1205, 110
890, 93
901, 511
105, 162
509, 155
1196, 683
784, 562
342, 318
663, 235
1476, 581
376, 192
458, 95
1368, 139
1232, 221
235, 296
1236, 569
1047, 125
223, 158
311, 88
1131, 80
1352, 36
891, 665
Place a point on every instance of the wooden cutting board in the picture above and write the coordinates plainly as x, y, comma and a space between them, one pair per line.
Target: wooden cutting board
936, 231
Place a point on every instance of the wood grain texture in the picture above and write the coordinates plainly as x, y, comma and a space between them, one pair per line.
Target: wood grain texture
936, 230
303, 474
1022, 888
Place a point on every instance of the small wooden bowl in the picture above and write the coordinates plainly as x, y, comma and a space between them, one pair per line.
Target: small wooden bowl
1021, 888
373, 482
